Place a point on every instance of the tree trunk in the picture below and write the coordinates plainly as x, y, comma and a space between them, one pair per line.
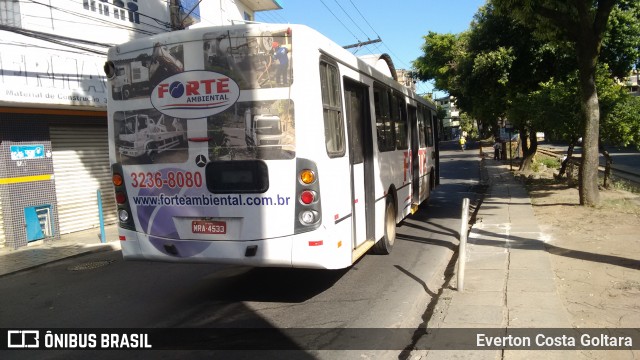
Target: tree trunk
528, 152
590, 111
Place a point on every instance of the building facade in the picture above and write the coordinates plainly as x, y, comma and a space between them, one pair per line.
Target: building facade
451, 122
405, 78
54, 162
632, 82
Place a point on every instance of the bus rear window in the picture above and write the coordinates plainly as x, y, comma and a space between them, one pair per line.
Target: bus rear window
245, 176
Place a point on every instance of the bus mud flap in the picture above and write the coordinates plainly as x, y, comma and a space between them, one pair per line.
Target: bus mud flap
361, 250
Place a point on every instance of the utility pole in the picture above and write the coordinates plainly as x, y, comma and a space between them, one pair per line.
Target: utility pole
174, 15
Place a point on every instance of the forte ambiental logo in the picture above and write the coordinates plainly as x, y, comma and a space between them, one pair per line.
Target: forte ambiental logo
195, 94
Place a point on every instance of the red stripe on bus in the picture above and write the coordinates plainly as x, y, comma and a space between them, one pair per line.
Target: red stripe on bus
316, 243
199, 139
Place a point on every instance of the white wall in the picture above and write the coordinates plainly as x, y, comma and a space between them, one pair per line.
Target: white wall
221, 12
70, 18
41, 73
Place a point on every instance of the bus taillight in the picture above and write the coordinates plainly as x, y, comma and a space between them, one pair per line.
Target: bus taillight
124, 209
123, 215
117, 179
309, 217
307, 176
121, 197
308, 207
307, 197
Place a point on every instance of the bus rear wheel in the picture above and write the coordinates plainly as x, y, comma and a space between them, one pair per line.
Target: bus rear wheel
384, 245
152, 153
126, 92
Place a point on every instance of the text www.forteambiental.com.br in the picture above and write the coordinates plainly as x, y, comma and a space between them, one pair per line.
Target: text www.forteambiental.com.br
208, 200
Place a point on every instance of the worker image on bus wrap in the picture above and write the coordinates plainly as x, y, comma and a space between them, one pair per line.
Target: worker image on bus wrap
280, 53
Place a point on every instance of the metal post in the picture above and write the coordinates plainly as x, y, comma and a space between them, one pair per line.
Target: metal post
510, 154
462, 251
103, 238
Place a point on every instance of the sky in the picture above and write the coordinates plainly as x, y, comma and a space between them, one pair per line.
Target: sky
400, 24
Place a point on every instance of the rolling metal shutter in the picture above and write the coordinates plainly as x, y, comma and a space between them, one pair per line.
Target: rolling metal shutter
81, 167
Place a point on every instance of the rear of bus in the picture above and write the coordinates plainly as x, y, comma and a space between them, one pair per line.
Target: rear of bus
206, 158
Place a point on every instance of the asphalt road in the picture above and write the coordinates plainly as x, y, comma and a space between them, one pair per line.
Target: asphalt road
394, 291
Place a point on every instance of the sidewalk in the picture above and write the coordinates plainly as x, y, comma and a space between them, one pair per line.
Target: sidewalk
508, 280
42, 252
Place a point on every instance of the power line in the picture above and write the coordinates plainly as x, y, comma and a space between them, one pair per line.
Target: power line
53, 36
277, 15
365, 19
40, 47
104, 21
337, 18
350, 18
93, 19
158, 21
270, 18
50, 38
407, 66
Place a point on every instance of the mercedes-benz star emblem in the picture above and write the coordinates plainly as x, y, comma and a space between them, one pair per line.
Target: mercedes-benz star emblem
201, 160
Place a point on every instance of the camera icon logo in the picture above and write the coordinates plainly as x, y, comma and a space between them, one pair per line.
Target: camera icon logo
19, 339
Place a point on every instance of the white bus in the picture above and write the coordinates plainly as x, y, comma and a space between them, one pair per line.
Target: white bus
297, 153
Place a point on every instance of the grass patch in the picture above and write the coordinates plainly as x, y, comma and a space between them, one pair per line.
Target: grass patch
625, 185
550, 162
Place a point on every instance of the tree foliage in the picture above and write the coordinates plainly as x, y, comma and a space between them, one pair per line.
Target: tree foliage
440, 60
536, 63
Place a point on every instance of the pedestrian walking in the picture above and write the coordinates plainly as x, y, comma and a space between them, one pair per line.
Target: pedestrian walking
463, 142
497, 149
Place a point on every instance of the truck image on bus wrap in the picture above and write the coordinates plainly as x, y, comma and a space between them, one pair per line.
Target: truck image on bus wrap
136, 77
262, 129
141, 135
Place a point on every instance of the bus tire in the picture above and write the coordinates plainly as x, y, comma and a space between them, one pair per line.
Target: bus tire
126, 92
384, 245
152, 153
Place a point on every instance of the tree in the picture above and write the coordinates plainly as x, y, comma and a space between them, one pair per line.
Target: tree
439, 62
467, 125
501, 63
583, 23
623, 123
512, 64
522, 58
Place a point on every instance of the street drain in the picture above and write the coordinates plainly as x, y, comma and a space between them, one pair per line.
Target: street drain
90, 265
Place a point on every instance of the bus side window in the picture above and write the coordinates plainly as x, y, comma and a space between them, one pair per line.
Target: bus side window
400, 119
430, 134
382, 117
384, 123
378, 115
332, 106
421, 127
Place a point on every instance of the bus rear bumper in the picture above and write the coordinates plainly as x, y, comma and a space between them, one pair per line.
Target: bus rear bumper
308, 250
